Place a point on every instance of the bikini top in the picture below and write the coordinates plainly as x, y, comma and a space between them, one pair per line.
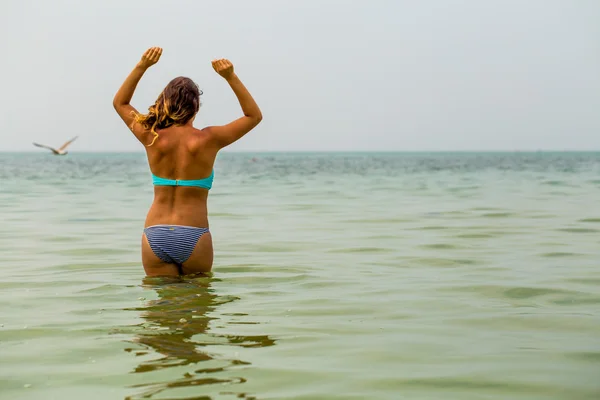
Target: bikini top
205, 183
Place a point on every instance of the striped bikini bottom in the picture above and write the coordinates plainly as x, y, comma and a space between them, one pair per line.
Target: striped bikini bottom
173, 244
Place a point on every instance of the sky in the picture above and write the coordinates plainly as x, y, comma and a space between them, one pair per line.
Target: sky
329, 75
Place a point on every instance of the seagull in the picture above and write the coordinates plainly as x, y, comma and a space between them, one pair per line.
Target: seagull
57, 152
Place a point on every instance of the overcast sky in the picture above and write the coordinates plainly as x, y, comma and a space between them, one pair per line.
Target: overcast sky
327, 74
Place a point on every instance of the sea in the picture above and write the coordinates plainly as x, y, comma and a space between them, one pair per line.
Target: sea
378, 276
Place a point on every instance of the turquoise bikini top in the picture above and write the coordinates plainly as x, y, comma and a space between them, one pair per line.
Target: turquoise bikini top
205, 183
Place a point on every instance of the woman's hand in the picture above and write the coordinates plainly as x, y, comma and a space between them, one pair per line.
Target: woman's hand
224, 68
150, 57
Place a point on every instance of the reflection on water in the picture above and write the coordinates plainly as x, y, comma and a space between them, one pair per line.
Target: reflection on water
177, 328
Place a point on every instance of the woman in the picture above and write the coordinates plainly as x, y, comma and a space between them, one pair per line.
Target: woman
176, 238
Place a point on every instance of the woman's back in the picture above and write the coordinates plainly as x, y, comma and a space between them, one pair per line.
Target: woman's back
182, 153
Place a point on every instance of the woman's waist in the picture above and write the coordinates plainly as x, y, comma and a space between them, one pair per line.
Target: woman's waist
178, 214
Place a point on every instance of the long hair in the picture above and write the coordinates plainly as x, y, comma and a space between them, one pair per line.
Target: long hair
176, 105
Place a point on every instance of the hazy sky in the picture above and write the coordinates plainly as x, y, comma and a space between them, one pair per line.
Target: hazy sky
327, 74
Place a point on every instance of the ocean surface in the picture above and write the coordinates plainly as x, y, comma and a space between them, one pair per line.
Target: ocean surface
337, 276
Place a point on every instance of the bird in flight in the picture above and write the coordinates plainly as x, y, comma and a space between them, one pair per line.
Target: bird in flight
61, 151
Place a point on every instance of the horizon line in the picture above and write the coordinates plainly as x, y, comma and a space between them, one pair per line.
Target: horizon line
33, 151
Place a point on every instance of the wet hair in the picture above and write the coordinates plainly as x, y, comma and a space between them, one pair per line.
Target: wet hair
177, 104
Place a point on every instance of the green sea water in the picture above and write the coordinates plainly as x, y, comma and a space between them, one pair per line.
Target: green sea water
337, 276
